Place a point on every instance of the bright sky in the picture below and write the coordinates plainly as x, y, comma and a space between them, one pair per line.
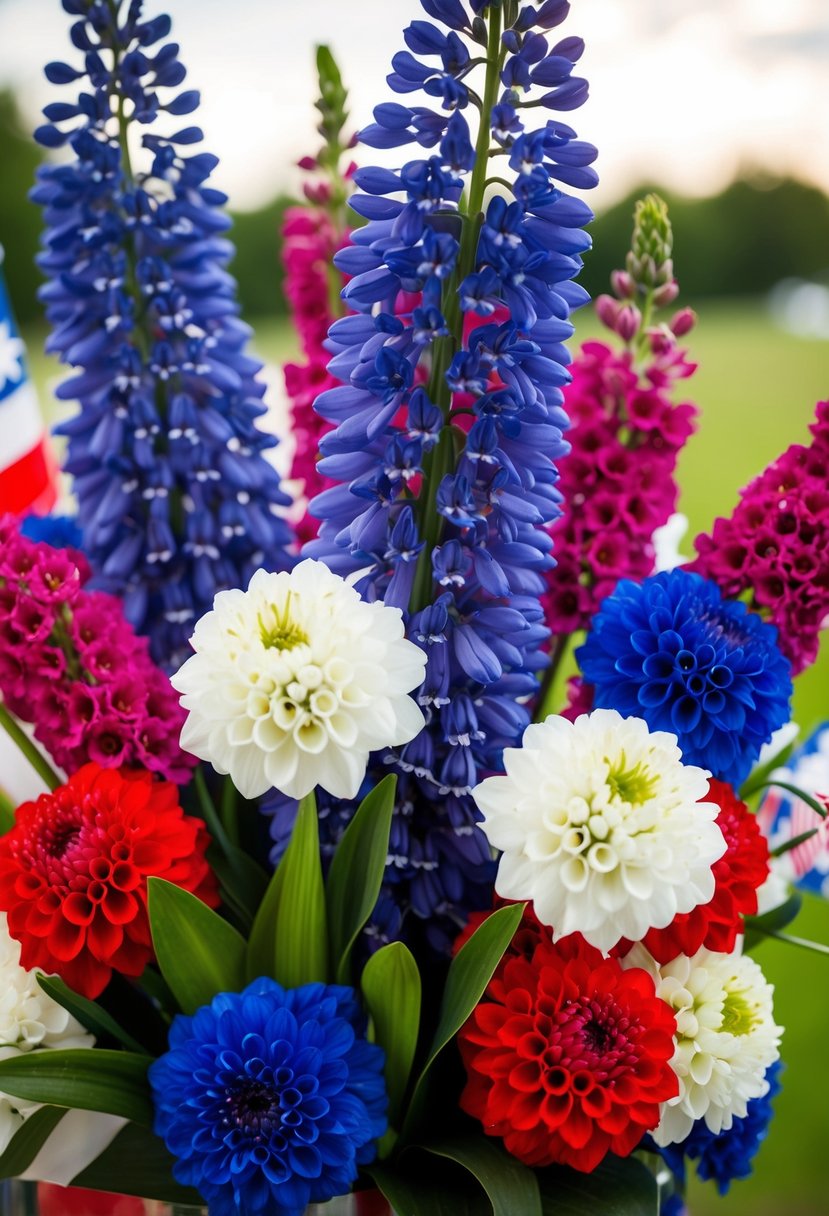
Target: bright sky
682, 93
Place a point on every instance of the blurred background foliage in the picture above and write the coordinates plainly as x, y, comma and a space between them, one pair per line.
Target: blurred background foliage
756, 385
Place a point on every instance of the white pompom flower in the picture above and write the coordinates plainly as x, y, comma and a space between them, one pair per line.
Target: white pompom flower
294, 681
29, 1020
602, 826
726, 1037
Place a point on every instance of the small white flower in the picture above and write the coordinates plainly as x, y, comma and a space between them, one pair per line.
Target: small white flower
726, 1037
29, 1020
666, 541
602, 827
295, 681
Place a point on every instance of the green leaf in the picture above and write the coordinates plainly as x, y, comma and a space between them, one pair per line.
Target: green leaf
470, 972
199, 954
137, 1163
392, 990
261, 952
28, 1140
91, 1015
357, 872
619, 1186
6, 813
431, 1192
113, 1082
758, 927
794, 843
810, 801
511, 1186
301, 929
802, 942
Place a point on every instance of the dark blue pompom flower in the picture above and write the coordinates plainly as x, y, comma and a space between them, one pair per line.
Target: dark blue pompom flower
270, 1098
729, 1155
59, 531
672, 651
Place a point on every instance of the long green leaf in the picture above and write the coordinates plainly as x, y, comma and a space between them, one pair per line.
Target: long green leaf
794, 842
301, 929
137, 1163
617, 1187
6, 813
199, 954
810, 801
392, 990
28, 1140
431, 1192
91, 1015
470, 972
356, 873
803, 942
758, 927
261, 952
511, 1186
113, 1082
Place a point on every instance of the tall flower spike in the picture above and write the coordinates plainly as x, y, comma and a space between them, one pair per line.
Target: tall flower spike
618, 480
448, 416
311, 235
175, 498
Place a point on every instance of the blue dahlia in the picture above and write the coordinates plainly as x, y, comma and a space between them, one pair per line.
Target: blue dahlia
449, 415
671, 650
727, 1156
59, 531
271, 1098
175, 498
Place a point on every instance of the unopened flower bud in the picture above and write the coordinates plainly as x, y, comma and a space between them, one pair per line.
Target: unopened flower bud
628, 320
622, 284
307, 162
683, 321
607, 310
666, 294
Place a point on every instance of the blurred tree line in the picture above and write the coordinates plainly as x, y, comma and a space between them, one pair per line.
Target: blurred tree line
740, 242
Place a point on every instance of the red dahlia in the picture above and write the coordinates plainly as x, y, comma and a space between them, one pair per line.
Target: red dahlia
738, 875
568, 1056
74, 870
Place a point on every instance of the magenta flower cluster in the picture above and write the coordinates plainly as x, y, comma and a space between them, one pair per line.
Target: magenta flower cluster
775, 545
71, 664
310, 240
618, 481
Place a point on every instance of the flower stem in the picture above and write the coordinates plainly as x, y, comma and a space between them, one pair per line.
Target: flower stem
441, 459
548, 691
41, 766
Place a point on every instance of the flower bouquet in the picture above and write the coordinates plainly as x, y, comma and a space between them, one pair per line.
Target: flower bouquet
332, 884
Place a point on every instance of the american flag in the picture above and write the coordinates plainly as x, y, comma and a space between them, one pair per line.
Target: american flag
27, 471
783, 816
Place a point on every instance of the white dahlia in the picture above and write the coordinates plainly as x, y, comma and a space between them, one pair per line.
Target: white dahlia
602, 827
295, 681
726, 1037
29, 1020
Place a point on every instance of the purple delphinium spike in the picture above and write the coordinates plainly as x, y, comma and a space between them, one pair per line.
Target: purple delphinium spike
175, 498
449, 415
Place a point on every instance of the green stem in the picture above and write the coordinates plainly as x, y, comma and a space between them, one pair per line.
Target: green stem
230, 819
547, 691
41, 766
209, 813
441, 460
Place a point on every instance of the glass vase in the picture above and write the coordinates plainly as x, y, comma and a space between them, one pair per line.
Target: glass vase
43, 1199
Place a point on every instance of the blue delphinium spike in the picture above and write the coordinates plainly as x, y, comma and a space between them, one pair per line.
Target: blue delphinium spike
175, 498
449, 415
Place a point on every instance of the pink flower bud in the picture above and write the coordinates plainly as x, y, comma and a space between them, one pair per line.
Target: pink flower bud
622, 284
607, 310
666, 294
683, 321
307, 162
628, 321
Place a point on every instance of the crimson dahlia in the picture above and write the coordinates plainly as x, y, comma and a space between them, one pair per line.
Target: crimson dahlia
74, 870
568, 1056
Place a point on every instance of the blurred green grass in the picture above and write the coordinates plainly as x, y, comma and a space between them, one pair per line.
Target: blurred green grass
756, 387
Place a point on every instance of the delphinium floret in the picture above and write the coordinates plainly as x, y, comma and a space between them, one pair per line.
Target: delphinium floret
449, 416
175, 498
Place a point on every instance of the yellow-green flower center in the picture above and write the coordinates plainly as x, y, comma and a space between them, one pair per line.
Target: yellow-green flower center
739, 1015
284, 633
633, 785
